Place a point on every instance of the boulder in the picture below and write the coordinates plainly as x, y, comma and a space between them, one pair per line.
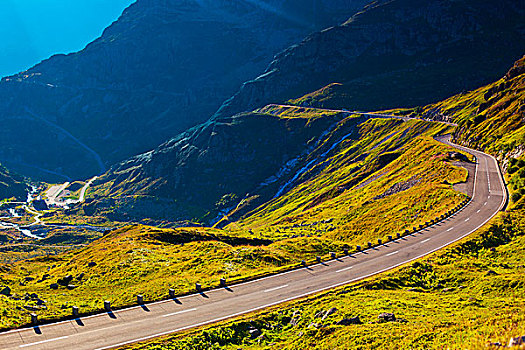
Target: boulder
387, 317
31, 308
518, 341
329, 312
65, 280
5, 291
348, 321
295, 321
254, 333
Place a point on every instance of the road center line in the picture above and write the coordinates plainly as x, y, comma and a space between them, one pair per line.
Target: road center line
450, 229
478, 211
389, 254
345, 269
467, 219
179, 312
276, 288
426, 240
43, 341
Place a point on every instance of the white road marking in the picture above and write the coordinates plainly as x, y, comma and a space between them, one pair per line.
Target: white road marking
397, 251
467, 219
478, 211
345, 269
305, 294
450, 229
485, 203
276, 288
426, 240
43, 341
179, 312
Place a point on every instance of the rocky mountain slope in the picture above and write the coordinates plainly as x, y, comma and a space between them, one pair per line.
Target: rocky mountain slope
11, 185
275, 164
164, 66
210, 167
396, 53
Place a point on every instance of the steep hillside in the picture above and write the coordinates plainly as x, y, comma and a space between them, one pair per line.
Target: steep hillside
469, 296
396, 53
146, 260
491, 118
12, 185
466, 297
234, 165
164, 66
208, 168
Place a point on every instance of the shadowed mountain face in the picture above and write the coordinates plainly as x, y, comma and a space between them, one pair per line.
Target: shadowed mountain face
12, 185
395, 53
255, 162
164, 66
209, 168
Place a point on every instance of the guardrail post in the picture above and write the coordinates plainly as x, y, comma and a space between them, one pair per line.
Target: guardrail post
369, 244
198, 287
140, 299
358, 248
34, 319
390, 238
345, 251
318, 259
379, 241
303, 262
223, 282
74, 310
171, 293
333, 255
107, 305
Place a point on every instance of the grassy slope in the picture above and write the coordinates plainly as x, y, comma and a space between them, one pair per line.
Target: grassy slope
342, 188
490, 118
462, 297
145, 260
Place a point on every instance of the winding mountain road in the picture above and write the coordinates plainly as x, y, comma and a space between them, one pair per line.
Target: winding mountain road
114, 329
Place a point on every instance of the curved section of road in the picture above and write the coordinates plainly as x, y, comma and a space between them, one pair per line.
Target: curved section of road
114, 329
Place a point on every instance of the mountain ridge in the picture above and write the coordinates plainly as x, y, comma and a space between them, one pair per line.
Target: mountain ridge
162, 67
400, 57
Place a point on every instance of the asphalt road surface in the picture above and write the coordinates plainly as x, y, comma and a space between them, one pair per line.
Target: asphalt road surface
111, 330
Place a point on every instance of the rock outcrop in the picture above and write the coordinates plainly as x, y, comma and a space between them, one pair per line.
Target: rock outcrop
395, 53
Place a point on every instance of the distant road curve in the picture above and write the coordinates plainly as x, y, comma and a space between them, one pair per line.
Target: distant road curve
137, 324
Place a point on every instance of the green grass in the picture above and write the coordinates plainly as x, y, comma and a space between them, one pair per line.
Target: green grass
145, 260
367, 179
462, 297
344, 188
